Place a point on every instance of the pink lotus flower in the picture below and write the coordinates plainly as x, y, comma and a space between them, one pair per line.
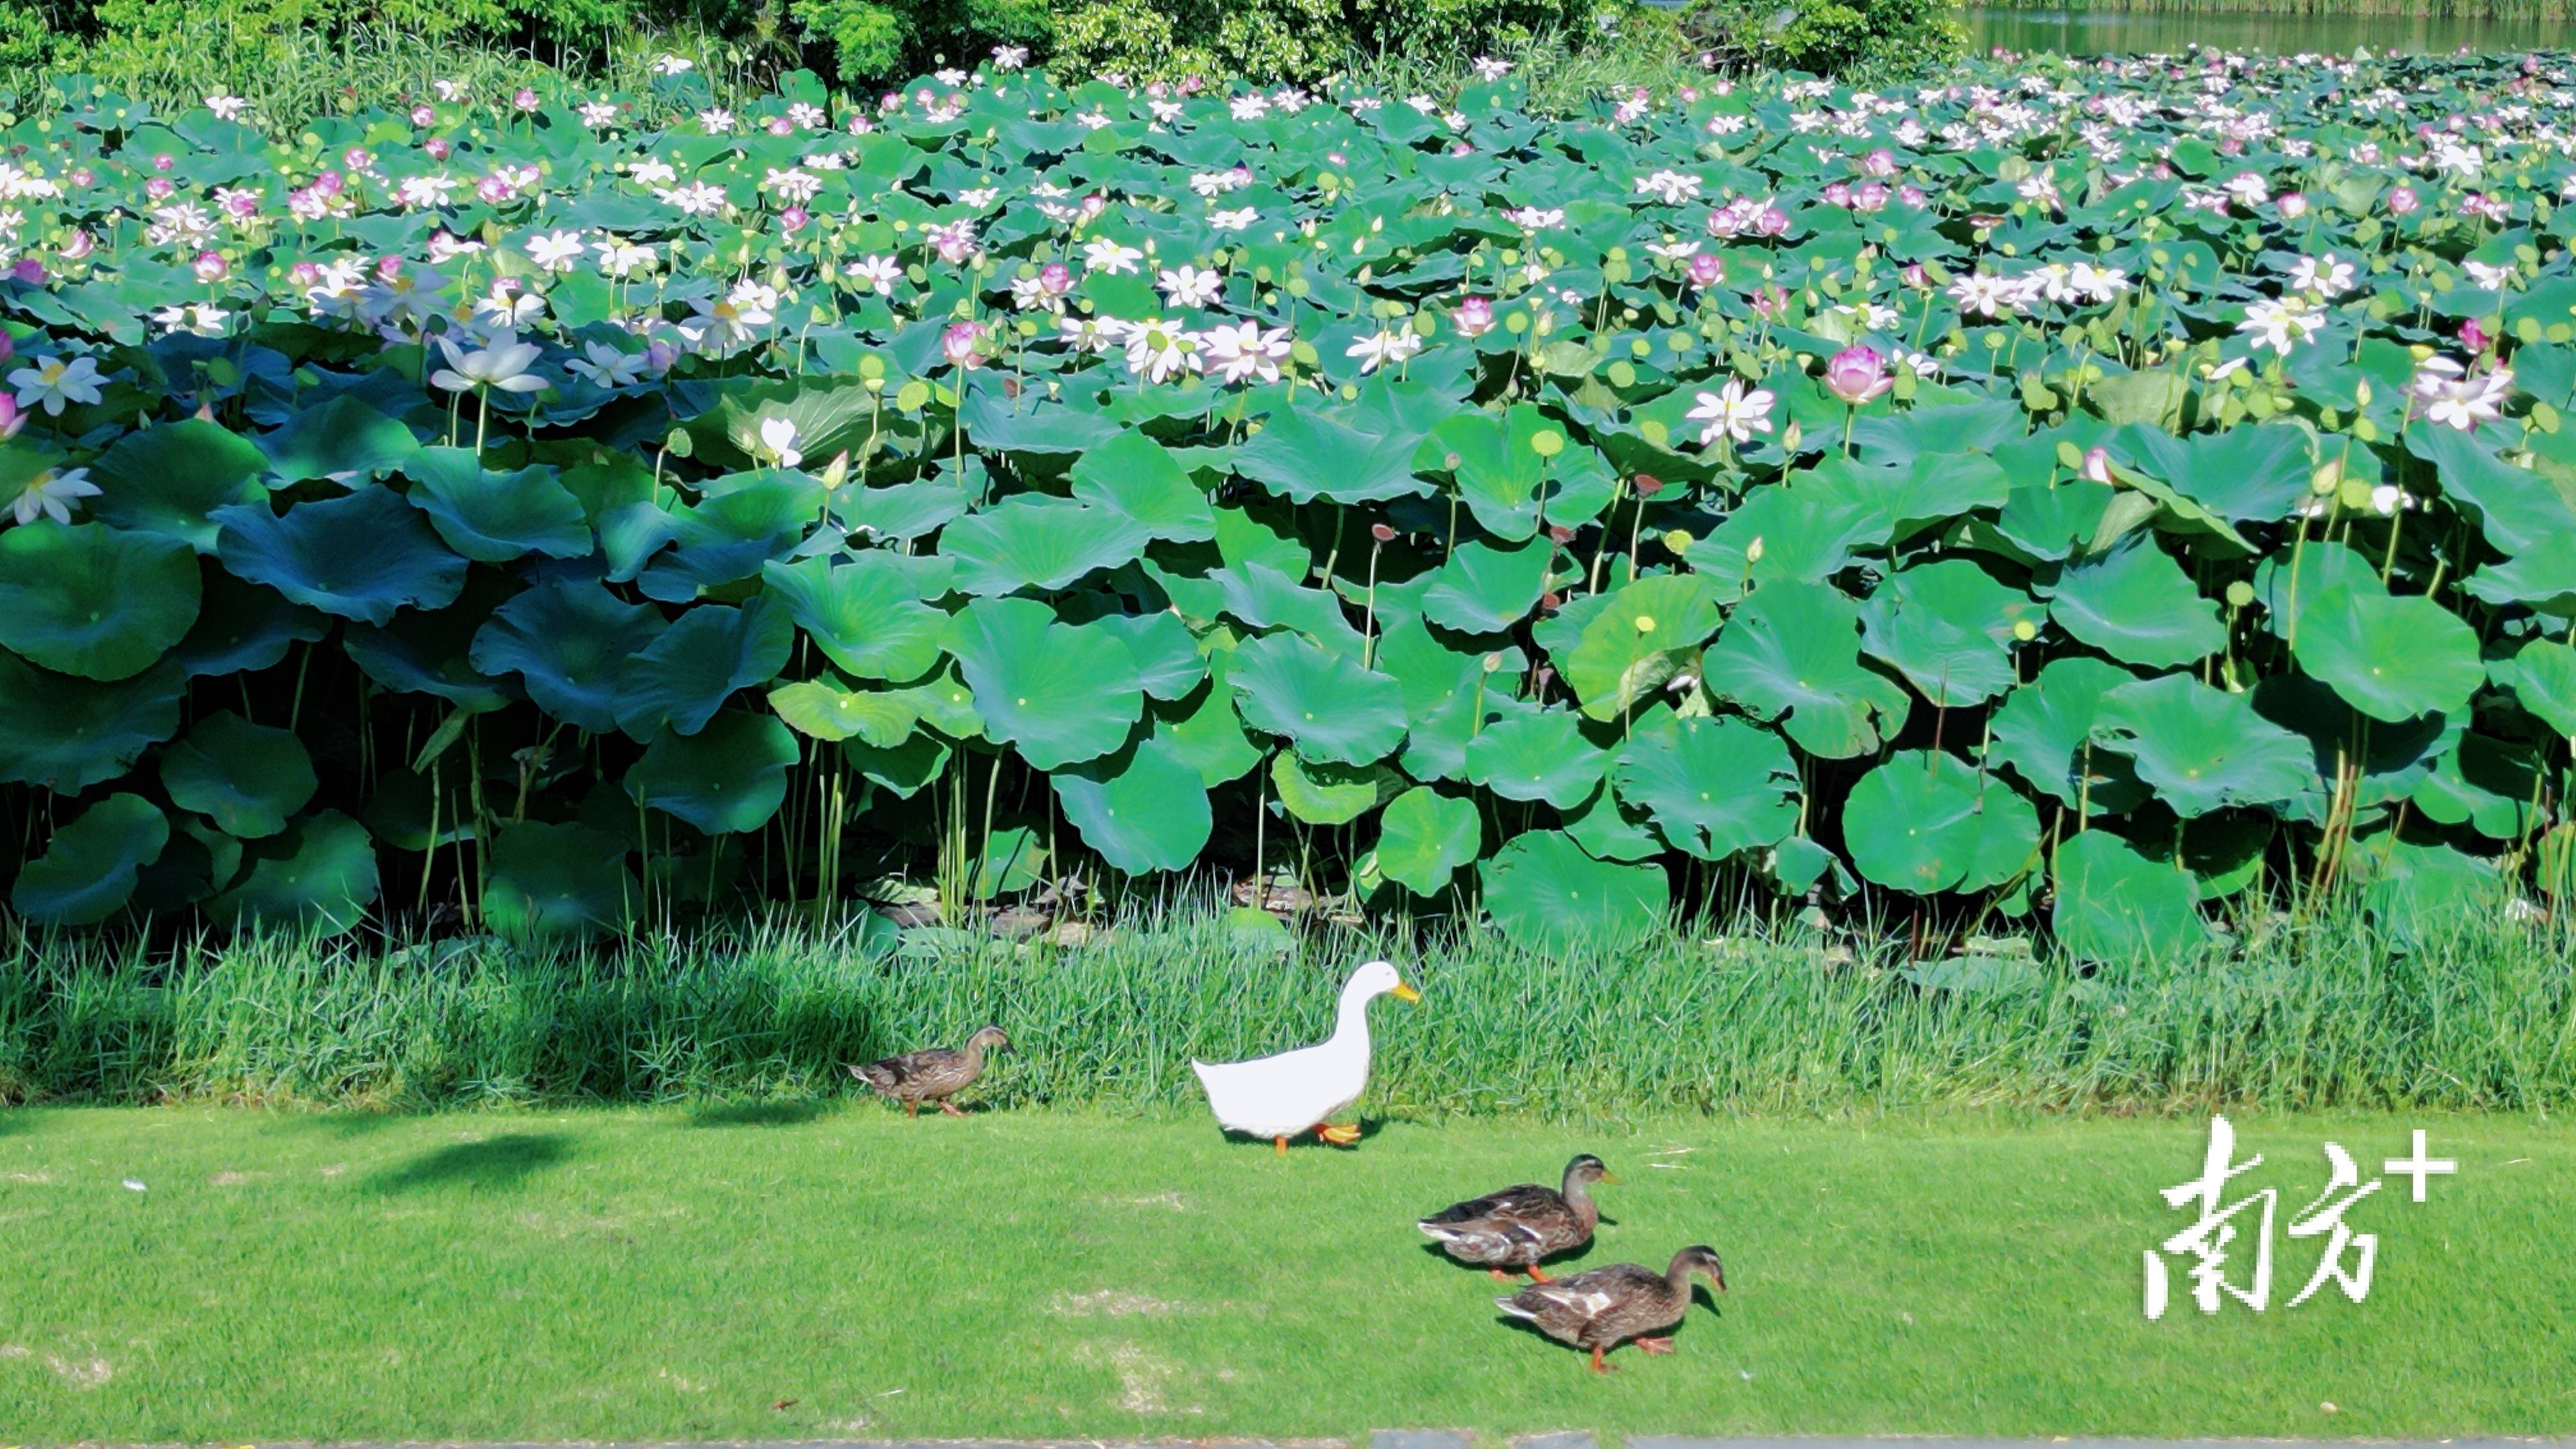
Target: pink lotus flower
1707, 269
11, 420
164, 161
210, 266
525, 100
1881, 162
437, 148
423, 115
793, 219
1857, 374
2473, 336
158, 188
74, 250
1474, 317
962, 344
1055, 279
2402, 201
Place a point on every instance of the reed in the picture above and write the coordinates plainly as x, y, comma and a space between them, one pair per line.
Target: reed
1761, 1020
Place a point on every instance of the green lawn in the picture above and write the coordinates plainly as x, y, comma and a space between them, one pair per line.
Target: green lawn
796, 1273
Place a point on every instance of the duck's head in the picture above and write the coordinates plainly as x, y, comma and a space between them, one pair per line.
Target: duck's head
1702, 1260
1379, 978
989, 1038
1586, 1168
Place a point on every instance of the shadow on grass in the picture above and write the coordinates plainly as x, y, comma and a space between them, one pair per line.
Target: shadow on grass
756, 1114
1308, 1141
495, 1162
344, 1123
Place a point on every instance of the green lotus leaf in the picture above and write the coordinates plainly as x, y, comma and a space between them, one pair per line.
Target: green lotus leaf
1948, 628
1792, 653
1348, 456
2138, 606
2291, 581
946, 704
2202, 749
1924, 822
1712, 787
2248, 474
1062, 693
496, 517
559, 881
2053, 521
361, 556
686, 674
567, 639
830, 414
1205, 733
1135, 476
1167, 656
1809, 529
67, 733
1482, 589
247, 778
1335, 711
1610, 828
2542, 674
243, 628
319, 875
825, 709
1041, 543
864, 614
2114, 904
168, 480
902, 769
1424, 836
2392, 658
1627, 642
89, 868
343, 440
2044, 731
2483, 783
430, 651
2226, 852
1541, 756
729, 776
1501, 476
2516, 508
1012, 860
1542, 888
1143, 809
2416, 889
93, 601
1330, 794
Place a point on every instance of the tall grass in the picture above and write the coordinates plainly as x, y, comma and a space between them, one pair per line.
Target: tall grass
2330, 1015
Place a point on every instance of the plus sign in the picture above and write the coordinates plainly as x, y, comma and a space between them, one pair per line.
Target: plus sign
2419, 1167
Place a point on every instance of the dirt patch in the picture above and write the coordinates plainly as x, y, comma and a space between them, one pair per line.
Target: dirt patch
684, 1385
40, 1179
1167, 1201
80, 1374
230, 1179
1111, 1303
1144, 1381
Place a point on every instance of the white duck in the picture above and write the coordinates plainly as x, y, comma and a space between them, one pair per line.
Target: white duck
1279, 1097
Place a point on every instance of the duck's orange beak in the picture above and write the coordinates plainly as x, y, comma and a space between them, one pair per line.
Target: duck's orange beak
1406, 993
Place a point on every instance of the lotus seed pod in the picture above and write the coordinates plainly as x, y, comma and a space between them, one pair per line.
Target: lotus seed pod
2025, 630
1678, 540
2239, 594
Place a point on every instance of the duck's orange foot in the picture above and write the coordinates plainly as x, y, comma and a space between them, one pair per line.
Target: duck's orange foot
1534, 1274
1498, 1275
1282, 1144
1599, 1367
1654, 1345
1337, 1134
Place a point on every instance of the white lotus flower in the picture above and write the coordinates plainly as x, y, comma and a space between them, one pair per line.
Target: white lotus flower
1733, 412
54, 494
502, 365
778, 439
50, 382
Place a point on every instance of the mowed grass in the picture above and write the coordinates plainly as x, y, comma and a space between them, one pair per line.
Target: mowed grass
835, 1270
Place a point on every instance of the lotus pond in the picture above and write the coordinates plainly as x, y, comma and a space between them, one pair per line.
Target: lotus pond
2127, 497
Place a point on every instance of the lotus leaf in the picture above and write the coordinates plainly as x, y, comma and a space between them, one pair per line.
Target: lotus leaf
1040, 543
728, 777
1167, 657
168, 480
243, 627
1329, 794
1925, 822
343, 440
93, 601
319, 875
567, 639
68, 734
679, 681
495, 517
1540, 756
1712, 787
1424, 836
2542, 674
1542, 888
560, 881
1062, 693
1335, 711
2138, 606
826, 709
864, 614
2392, 658
89, 868
361, 556
2114, 904
1947, 627
2202, 749
1635, 638
2044, 731
1144, 809
1138, 478
1482, 589
1791, 653
1348, 456
248, 778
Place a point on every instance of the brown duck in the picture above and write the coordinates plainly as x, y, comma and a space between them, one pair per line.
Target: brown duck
932, 1075
1605, 1307
1524, 1225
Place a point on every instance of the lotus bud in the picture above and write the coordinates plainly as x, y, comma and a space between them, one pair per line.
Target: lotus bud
1753, 552
1492, 662
2361, 393
2326, 479
1790, 437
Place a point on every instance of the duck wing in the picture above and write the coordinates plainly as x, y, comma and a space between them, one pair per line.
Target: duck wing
934, 1072
1591, 1308
1520, 1224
